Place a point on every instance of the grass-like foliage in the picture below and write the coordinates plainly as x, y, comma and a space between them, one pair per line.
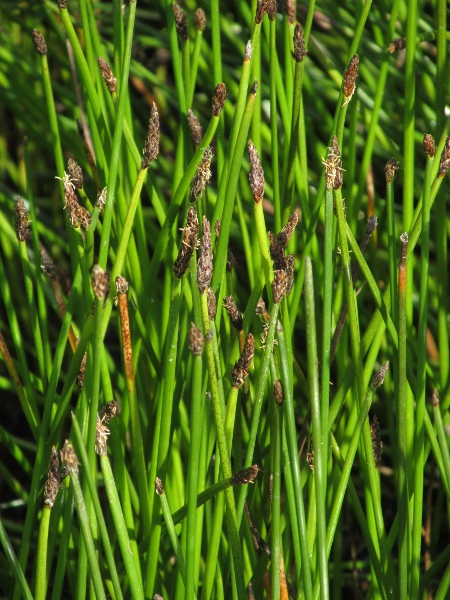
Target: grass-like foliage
224, 299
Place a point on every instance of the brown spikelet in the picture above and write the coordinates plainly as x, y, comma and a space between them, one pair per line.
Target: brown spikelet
101, 198
77, 215
205, 262
195, 128
435, 398
310, 453
188, 245
217, 225
230, 261
101, 438
121, 284
444, 164
333, 166
47, 265
203, 175
272, 9
195, 340
300, 51
200, 19
242, 367
289, 9
377, 443
80, 376
290, 268
244, 476
108, 75
404, 249
100, 282
349, 81
256, 173
429, 147
39, 42
278, 393
286, 233
397, 45
391, 169
248, 50
108, 411
159, 488
151, 148
62, 4
378, 378
53, 481
180, 22
219, 97
20, 220
69, 458
212, 304
235, 315
75, 173
279, 286
261, 10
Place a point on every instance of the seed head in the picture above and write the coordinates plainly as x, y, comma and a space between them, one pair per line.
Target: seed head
333, 166
203, 175
75, 173
378, 378
69, 458
195, 128
429, 147
289, 8
230, 261
101, 198
77, 215
180, 22
256, 174
290, 267
205, 262
397, 45
404, 249
300, 51
47, 265
278, 393
391, 170
219, 97
108, 411
121, 285
80, 376
20, 220
349, 81
242, 367
248, 50
62, 4
53, 482
244, 476
279, 286
444, 164
151, 148
235, 315
159, 487
39, 42
101, 438
189, 243
195, 340
100, 282
107, 74
212, 304
200, 19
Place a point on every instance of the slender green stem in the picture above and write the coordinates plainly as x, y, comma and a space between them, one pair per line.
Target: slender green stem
41, 566
17, 571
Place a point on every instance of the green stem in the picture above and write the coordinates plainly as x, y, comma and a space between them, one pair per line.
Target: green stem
41, 563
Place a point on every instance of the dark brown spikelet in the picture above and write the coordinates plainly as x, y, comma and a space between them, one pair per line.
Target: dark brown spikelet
101, 198
261, 10
244, 476
230, 261
75, 173
429, 146
278, 393
62, 4
108, 411
444, 164
188, 245
290, 267
195, 340
77, 215
200, 19
289, 9
69, 458
261, 310
217, 225
234, 313
242, 367
151, 148
300, 51
272, 9
279, 286
349, 81
20, 220
159, 488
333, 166
121, 284
219, 97
180, 22
53, 482
80, 376
397, 45
212, 304
108, 75
254, 88
391, 169
256, 174
377, 443
100, 282
205, 262
195, 128
378, 378
39, 42
286, 233
102, 431
276, 252
203, 175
